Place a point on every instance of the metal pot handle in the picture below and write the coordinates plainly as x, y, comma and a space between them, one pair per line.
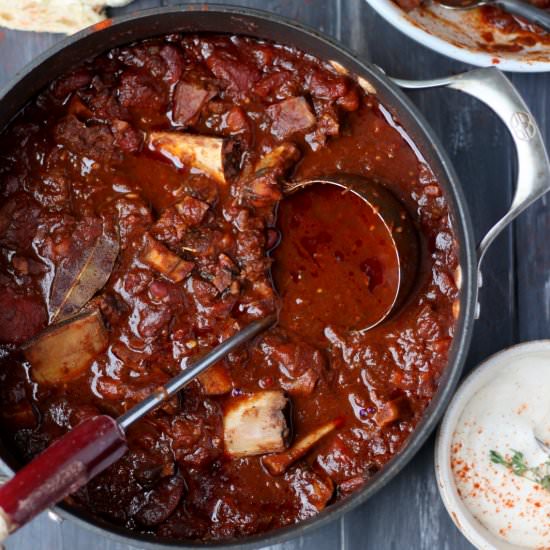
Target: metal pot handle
491, 87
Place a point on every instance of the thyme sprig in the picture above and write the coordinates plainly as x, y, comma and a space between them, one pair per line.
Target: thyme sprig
517, 465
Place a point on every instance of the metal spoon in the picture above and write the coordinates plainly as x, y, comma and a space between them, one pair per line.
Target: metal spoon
515, 7
397, 221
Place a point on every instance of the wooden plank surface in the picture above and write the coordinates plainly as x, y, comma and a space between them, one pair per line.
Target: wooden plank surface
408, 513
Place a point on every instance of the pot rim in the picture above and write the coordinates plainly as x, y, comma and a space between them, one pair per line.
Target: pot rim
461, 225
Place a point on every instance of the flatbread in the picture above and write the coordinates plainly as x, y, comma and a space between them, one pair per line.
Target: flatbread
64, 16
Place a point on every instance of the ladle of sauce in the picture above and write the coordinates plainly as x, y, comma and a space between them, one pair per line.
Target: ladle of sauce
348, 254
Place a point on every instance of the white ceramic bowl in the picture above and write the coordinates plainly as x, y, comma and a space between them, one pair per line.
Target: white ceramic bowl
458, 34
470, 527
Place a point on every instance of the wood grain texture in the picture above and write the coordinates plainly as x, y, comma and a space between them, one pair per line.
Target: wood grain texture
515, 300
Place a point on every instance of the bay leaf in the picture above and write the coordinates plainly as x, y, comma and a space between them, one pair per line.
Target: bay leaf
85, 270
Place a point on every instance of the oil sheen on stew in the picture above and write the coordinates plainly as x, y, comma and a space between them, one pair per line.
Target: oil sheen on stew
138, 199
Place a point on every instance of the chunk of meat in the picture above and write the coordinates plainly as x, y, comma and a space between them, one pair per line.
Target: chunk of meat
71, 82
151, 59
312, 491
192, 210
216, 380
351, 485
350, 101
237, 74
132, 214
166, 262
278, 463
278, 159
196, 440
62, 413
294, 359
210, 305
204, 153
326, 86
302, 385
173, 58
126, 393
391, 411
262, 187
154, 320
328, 123
64, 351
139, 91
237, 121
126, 136
53, 191
189, 99
255, 424
337, 459
161, 501
175, 220
224, 272
252, 261
79, 109
19, 220
94, 142
222, 278
103, 102
290, 116
170, 227
21, 316
276, 83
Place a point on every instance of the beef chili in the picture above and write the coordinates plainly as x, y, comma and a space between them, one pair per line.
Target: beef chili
138, 208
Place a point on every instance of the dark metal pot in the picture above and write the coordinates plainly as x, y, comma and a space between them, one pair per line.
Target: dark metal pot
488, 85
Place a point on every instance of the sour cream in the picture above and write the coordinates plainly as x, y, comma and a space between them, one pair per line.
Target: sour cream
503, 415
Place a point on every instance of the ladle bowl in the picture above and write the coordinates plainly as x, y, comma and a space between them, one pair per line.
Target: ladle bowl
397, 222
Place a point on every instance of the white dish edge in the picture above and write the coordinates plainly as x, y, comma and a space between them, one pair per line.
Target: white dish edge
471, 528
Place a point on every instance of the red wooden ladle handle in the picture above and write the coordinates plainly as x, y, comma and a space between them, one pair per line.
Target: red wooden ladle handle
65, 466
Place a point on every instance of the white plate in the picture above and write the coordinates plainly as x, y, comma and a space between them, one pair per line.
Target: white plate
458, 34
474, 531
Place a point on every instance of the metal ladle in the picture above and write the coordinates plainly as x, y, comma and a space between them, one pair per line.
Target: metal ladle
396, 220
515, 7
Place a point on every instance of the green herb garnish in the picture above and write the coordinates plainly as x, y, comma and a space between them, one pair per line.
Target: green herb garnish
517, 465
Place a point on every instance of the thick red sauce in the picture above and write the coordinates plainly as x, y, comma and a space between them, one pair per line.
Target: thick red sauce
336, 263
180, 257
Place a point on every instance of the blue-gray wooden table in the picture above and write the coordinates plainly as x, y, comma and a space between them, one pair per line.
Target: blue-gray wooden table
515, 301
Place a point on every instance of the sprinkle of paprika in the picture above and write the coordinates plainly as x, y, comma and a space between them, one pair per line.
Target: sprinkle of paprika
101, 25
